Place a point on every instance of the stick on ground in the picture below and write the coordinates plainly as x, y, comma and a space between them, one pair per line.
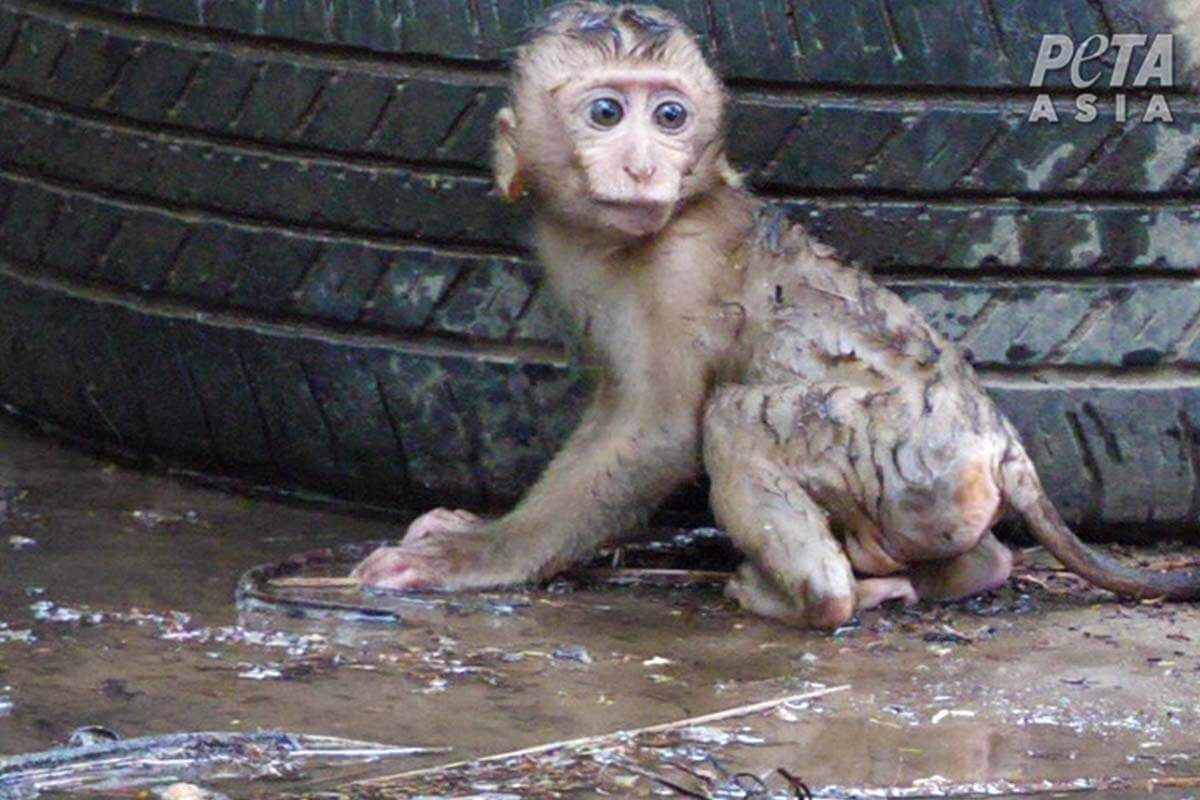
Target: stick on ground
719, 716
301, 582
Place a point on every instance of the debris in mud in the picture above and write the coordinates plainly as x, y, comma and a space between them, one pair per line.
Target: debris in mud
189, 791
10, 497
261, 673
709, 779
115, 689
672, 764
945, 713
130, 763
6, 702
947, 635
430, 667
555, 769
903, 712
92, 734
10, 634
177, 626
296, 669
153, 518
576, 652
19, 543
46, 611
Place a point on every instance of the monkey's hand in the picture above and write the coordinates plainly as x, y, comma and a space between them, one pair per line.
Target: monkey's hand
442, 549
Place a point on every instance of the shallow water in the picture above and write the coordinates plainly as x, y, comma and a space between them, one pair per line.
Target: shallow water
120, 613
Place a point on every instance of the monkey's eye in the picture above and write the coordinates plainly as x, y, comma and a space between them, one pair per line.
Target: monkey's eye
605, 112
670, 116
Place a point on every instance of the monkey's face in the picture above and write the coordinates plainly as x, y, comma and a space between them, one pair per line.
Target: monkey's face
633, 136
616, 119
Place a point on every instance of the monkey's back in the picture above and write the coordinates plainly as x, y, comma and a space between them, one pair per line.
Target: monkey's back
883, 419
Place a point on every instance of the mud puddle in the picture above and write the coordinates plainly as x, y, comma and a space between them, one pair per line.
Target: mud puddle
116, 610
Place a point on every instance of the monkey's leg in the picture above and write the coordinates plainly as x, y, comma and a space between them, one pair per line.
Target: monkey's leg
981, 569
798, 571
393, 566
621, 462
754, 592
441, 520
871, 592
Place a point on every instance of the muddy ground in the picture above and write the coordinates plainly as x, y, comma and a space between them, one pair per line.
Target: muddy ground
117, 610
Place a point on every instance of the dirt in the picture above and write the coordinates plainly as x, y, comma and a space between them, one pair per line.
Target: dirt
117, 610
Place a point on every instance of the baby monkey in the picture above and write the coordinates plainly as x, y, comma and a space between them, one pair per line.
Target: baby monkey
853, 455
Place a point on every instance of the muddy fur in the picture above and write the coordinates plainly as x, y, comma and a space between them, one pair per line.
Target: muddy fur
853, 454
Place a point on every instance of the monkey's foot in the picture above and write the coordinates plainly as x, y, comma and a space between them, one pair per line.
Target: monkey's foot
441, 521
982, 569
871, 592
442, 549
751, 590
758, 594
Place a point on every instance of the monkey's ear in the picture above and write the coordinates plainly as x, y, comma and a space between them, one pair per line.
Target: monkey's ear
730, 176
506, 164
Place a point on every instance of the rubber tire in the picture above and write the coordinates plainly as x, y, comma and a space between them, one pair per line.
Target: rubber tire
258, 239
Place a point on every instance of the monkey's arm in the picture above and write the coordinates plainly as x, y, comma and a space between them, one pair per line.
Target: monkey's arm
626, 457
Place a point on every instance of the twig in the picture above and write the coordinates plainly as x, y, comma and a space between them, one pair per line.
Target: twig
1033, 788
1174, 783
650, 577
700, 776
1051, 590
661, 577
1038, 582
719, 716
1168, 564
314, 582
798, 786
154, 759
667, 782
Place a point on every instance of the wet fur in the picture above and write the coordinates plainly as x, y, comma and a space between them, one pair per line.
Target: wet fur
854, 456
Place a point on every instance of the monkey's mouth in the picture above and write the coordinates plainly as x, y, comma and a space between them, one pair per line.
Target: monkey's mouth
635, 217
644, 203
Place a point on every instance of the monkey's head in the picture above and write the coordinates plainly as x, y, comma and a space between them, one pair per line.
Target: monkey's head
616, 120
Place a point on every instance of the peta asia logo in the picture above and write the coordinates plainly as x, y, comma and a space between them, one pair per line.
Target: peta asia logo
1104, 61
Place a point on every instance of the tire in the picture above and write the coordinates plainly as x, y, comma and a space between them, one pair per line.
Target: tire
258, 240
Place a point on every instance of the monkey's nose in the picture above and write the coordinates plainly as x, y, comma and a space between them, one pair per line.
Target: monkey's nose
640, 173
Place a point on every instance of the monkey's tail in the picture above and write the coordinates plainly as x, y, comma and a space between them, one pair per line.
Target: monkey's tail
1023, 491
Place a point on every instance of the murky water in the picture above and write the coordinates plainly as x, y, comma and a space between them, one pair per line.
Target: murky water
116, 609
